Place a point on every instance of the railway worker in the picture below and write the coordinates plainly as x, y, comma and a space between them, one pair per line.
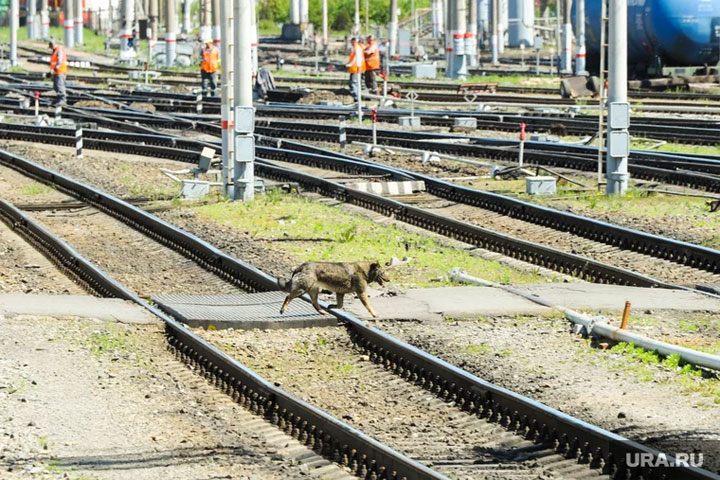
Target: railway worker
209, 67
58, 70
356, 66
372, 64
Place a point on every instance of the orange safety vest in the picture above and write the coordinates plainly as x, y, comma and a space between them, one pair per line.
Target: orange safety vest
58, 61
210, 60
357, 59
372, 56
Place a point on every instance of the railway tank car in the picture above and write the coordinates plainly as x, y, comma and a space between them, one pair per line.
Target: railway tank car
661, 33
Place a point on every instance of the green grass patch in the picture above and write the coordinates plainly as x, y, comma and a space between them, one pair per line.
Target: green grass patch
649, 366
91, 43
679, 148
35, 188
314, 231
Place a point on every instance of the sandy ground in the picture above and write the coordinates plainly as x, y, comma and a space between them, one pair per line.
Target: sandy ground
82, 399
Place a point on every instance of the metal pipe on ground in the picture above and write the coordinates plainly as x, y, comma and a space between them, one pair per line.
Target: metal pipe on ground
594, 327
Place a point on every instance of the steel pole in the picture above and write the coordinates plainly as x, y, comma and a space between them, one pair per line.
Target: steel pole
449, 35
187, 10
580, 68
44, 20
171, 28
502, 25
494, 40
227, 42
618, 138
30, 21
471, 45
14, 19
356, 27
69, 22
295, 12
566, 58
325, 26
128, 10
78, 22
243, 175
153, 13
393, 29
216, 21
254, 39
460, 53
434, 18
206, 20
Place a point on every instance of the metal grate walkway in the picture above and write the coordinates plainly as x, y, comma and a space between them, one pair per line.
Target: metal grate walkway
242, 311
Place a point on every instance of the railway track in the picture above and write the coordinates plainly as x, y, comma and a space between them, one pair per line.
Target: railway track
541, 236
532, 431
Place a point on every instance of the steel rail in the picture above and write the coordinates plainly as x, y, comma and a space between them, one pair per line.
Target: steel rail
525, 417
539, 153
684, 253
322, 432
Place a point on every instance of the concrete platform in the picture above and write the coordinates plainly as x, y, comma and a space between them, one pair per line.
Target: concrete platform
110, 309
436, 303
242, 311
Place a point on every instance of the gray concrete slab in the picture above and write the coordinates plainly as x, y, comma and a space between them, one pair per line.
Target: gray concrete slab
242, 311
464, 301
110, 309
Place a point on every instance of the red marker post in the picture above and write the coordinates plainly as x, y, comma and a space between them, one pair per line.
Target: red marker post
37, 100
522, 144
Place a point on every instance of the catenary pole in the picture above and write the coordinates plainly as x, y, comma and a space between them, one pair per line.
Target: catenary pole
171, 28
69, 22
243, 174
618, 140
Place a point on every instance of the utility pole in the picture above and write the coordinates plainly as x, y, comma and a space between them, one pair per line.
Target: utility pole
471, 45
243, 165
618, 138
566, 59
459, 52
14, 19
69, 20
227, 42
44, 20
154, 14
580, 38
393, 29
31, 24
494, 36
79, 40
216, 21
128, 11
325, 26
449, 37
186, 22
356, 28
205, 27
171, 28
254, 37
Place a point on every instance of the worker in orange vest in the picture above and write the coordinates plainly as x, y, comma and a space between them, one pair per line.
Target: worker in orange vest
372, 64
209, 67
356, 66
58, 70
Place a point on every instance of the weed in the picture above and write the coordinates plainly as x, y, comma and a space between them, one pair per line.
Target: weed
478, 349
348, 234
35, 188
303, 348
345, 368
43, 442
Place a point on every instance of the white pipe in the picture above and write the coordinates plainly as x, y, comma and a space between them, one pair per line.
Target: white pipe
594, 327
69, 22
